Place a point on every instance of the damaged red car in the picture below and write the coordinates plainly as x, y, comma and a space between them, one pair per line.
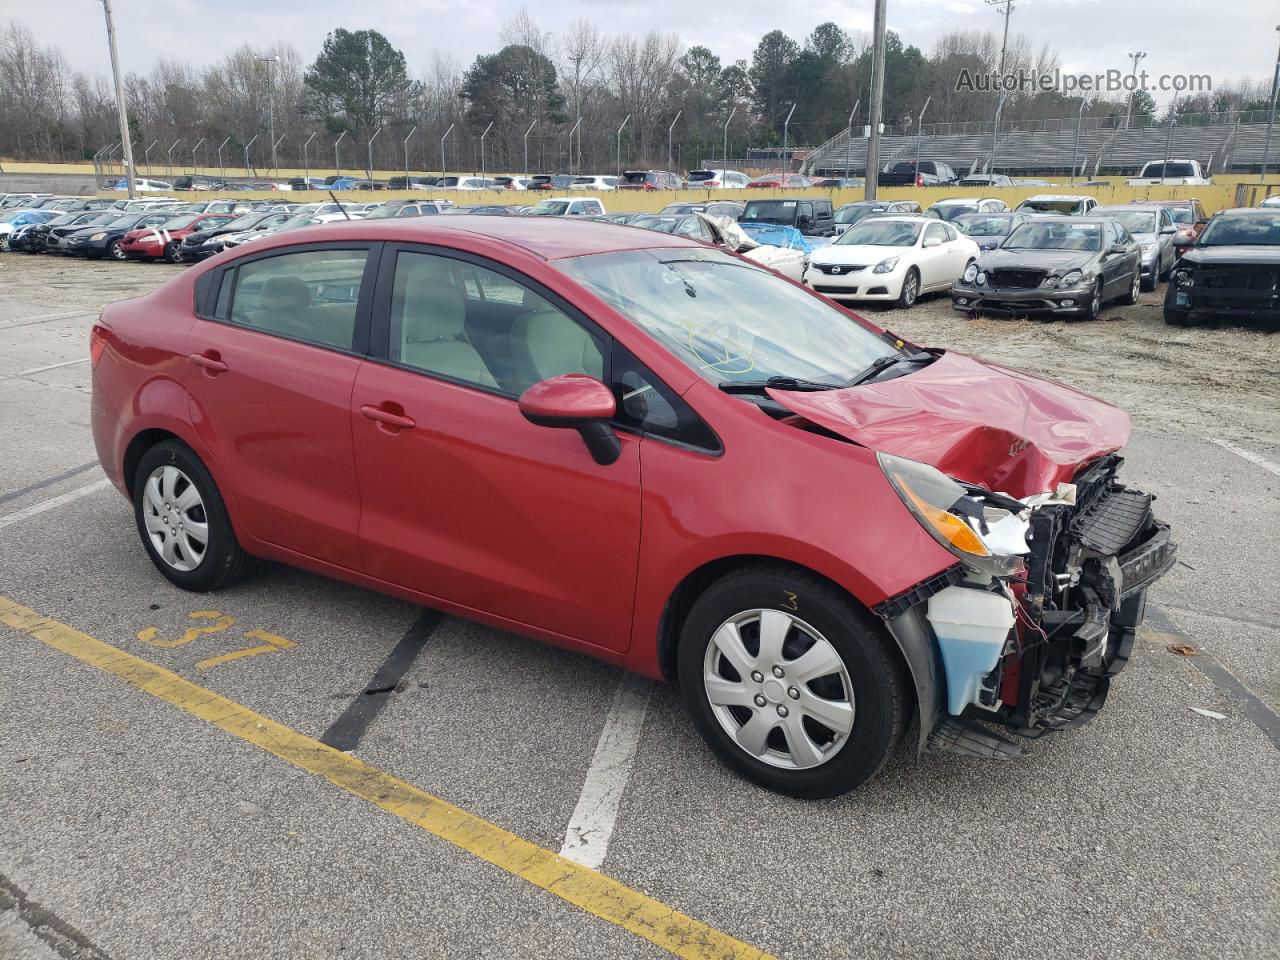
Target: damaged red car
649, 451
164, 241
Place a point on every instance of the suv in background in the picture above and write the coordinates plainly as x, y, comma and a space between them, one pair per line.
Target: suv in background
811, 216
928, 173
649, 180
716, 180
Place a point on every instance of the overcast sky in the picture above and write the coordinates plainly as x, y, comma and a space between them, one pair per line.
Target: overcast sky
1230, 41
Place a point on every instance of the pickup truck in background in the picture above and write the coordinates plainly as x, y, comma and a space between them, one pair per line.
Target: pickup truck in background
931, 173
1176, 173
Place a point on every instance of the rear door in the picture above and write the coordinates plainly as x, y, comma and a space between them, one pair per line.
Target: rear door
270, 369
463, 498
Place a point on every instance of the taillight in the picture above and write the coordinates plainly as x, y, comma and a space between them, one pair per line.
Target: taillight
919, 180
712, 183
98, 335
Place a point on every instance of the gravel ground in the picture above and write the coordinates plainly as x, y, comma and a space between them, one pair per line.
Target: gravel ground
1203, 381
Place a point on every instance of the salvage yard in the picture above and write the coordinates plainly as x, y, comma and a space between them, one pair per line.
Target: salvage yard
144, 813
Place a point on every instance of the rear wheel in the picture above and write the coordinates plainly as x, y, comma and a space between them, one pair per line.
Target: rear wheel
183, 521
791, 683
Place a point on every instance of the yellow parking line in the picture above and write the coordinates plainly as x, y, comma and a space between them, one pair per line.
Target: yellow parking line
593, 892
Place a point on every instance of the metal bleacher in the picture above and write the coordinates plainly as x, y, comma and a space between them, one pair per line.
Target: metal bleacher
1220, 147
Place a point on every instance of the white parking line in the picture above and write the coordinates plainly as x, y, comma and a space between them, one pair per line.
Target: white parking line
586, 841
1249, 455
52, 366
52, 503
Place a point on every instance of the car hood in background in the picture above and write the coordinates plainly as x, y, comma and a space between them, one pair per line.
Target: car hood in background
979, 422
1002, 258
1212, 256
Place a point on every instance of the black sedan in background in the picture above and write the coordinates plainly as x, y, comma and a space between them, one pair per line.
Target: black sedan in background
1232, 271
1054, 267
988, 230
48, 237
103, 240
205, 243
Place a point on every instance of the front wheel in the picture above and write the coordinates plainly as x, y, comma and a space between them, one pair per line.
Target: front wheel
910, 289
1131, 297
116, 252
183, 521
1094, 306
791, 683
171, 252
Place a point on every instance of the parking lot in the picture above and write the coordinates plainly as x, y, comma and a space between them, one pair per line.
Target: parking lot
164, 793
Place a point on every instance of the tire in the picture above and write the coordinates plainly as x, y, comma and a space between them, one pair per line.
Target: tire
1130, 298
169, 477
910, 292
171, 252
1151, 282
863, 696
1094, 307
116, 252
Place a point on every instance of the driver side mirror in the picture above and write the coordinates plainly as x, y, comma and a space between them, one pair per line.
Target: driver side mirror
931, 242
1118, 248
1168, 228
578, 401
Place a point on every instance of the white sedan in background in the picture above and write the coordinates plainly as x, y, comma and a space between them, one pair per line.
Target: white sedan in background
891, 259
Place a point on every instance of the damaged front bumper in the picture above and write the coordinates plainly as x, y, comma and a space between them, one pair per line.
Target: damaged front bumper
1035, 650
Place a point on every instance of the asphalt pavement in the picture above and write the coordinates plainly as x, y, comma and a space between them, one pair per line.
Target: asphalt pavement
140, 822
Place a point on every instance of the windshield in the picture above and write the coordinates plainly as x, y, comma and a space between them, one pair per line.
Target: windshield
382, 213
881, 233
1169, 170
771, 211
854, 214
1051, 206
985, 226
1058, 235
1252, 230
1180, 214
550, 208
243, 222
178, 223
1135, 221
949, 211
727, 320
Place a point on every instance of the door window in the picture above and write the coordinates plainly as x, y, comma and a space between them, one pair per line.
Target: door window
464, 322
935, 231
310, 295
647, 404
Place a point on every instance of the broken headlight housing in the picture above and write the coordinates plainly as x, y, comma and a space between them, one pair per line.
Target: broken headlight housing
949, 513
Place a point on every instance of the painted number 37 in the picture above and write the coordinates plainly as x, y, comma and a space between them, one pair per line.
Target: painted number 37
218, 623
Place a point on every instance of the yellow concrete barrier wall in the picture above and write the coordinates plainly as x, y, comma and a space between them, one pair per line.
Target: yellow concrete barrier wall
1214, 198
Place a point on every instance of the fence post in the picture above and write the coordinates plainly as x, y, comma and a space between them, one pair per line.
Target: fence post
442, 156
406, 155
195, 164
222, 168
337, 165
624, 123
482, 136
370, 146
169, 166
572, 130
786, 127
146, 156
246, 154
727, 121
920, 132
848, 142
526, 148
306, 166
670, 129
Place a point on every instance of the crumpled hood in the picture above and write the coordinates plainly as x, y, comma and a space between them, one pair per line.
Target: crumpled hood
979, 422
1228, 255
1060, 260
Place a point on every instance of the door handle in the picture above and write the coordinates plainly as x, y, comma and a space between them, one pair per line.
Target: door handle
209, 361
388, 418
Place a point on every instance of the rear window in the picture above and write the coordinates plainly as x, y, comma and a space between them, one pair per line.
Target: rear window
1173, 170
638, 176
697, 175
771, 211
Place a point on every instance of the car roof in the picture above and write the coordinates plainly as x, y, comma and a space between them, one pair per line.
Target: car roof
1122, 207
550, 238
907, 218
1058, 196
1248, 211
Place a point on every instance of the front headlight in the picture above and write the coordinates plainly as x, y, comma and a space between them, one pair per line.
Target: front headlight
1071, 278
886, 266
1183, 278
982, 279
970, 273
97, 236
930, 495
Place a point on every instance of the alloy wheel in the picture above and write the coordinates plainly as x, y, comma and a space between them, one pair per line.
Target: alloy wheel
175, 518
779, 689
911, 290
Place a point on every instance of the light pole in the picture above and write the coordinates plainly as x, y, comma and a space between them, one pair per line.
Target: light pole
620, 129
670, 129
271, 107
1135, 57
486, 133
306, 166
920, 130
1271, 118
246, 153
574, 129
786, 129
526, 148
1004, 47
848, 143
337, 165
222, 167
728, 120
406, 155
877, 103
370, 146
442, 157
120, 108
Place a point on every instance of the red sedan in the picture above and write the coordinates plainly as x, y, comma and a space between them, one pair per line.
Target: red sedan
650, 451
781, 181
162, 242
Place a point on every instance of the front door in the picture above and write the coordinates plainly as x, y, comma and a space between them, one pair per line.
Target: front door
269, 378
462, 498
